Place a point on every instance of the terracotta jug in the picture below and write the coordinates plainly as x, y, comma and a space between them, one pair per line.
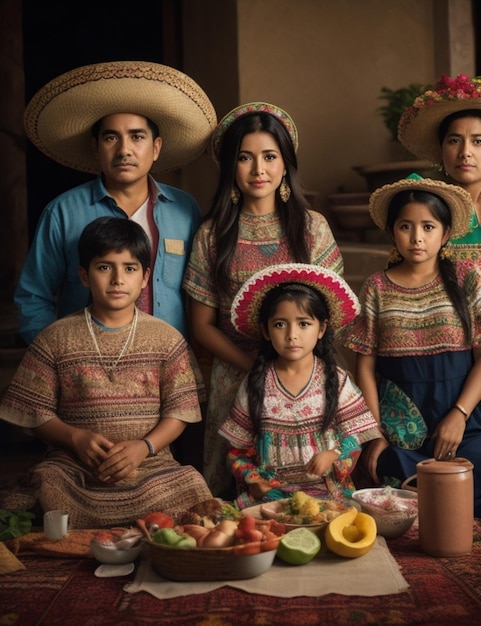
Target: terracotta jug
446, 506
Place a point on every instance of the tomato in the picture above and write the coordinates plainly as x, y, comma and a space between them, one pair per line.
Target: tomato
271, 542
158, 520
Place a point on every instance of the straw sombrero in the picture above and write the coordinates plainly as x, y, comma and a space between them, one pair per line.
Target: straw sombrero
458, 200
246, 109
59, 117
341, 300
418, 128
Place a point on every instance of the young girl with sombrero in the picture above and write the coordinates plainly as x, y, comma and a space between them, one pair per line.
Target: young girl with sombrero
443, 126
259, 217
418, 337
298, 422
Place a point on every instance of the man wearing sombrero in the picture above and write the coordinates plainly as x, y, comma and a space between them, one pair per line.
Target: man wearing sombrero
443, 125
125, 121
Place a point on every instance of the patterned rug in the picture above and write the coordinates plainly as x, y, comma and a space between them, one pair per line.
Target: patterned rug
65, 592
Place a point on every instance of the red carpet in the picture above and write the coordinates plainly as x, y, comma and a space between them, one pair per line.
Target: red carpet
66, 593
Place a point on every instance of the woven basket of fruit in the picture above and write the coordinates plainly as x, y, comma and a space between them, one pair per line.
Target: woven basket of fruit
231, 550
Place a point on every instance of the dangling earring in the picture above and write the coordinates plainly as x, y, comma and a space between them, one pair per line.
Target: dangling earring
284, 190
235, 195
446, 252
394, 257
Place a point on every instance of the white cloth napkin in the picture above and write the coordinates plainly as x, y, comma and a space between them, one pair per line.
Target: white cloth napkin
374, 574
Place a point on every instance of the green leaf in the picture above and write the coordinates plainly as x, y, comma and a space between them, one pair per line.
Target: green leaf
14, 523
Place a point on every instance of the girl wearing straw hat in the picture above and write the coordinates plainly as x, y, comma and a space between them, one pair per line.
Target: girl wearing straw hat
418, 337
124, 121
259, 217
298, 422
443, 125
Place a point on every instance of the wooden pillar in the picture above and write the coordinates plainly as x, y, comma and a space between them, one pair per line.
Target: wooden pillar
13, 193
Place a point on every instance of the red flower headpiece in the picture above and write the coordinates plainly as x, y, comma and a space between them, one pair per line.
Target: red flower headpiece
418, 128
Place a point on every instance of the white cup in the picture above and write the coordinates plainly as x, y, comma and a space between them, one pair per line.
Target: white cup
55, 524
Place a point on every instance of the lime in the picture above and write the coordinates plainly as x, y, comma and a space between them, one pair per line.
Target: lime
299, 546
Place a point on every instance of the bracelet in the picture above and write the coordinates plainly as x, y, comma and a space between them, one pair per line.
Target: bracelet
462, 410
150, 447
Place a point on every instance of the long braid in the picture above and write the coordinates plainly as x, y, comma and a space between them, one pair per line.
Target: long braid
256, 381
325, 351
456, 294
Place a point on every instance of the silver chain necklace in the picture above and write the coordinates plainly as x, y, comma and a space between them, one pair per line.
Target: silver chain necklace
110, 368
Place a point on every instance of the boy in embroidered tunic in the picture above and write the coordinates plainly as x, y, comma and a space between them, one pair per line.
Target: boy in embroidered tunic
108, 389
298, 422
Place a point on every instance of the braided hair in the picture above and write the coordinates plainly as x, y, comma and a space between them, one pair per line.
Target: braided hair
314, 304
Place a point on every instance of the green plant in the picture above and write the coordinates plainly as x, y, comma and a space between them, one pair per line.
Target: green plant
396, 101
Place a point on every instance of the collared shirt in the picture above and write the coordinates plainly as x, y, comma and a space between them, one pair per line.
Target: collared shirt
49, 286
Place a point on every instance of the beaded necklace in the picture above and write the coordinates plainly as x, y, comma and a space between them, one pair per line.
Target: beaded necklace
110, 368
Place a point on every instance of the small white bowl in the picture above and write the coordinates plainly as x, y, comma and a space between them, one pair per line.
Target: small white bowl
112, 555
394, 510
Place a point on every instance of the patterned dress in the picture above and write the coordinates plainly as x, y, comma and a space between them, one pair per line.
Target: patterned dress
289, 434
61, 375
422, 363
260, 243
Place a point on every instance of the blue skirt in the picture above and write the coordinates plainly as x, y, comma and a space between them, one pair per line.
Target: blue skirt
433, 383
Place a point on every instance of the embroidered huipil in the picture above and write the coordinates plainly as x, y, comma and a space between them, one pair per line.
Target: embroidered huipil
290, 431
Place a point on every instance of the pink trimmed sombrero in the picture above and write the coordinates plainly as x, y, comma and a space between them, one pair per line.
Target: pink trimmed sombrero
341, 300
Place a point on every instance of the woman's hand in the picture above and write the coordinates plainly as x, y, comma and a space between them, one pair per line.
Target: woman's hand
448, 434
370, 455
204, 329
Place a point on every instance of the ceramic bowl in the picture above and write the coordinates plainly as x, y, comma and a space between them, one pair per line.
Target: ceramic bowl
393, 509
112, 555
206, 564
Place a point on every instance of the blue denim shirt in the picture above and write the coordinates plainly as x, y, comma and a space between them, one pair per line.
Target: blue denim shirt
49, 286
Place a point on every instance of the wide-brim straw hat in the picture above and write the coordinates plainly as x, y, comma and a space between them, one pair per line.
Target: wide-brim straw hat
418, 129
246, 109
458, 200
60, 116
342, 301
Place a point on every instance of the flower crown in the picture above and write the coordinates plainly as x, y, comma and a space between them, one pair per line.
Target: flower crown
460, 88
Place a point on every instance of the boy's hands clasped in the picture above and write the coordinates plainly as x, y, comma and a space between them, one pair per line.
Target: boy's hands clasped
123, 459
112, 461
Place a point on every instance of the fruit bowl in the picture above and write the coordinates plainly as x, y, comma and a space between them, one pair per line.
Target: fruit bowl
277, 510
207, 564
394, 510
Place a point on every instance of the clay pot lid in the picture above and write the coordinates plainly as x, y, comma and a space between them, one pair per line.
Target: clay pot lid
454, 466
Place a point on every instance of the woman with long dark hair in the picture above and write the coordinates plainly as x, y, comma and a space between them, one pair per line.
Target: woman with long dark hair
259, 217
